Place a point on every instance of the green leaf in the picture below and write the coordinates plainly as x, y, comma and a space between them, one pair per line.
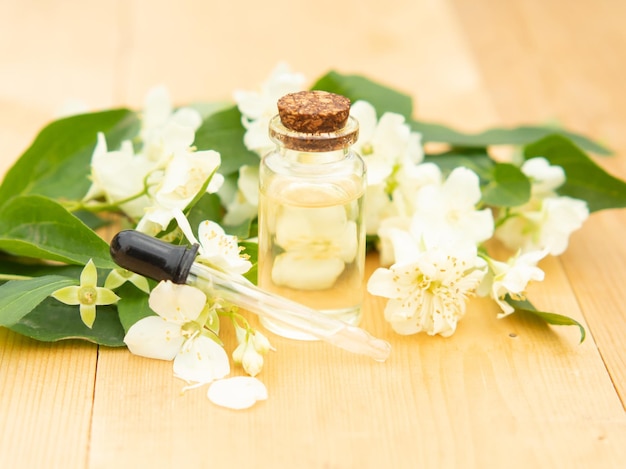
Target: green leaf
20, 297
90, 219
36, 226
499, 136
208, 208
356, 87
508, 187
223, 132
585, 179
132, 306
25, 267
244, 230
252, 250
52, 321
58, 161
550, 318
478, 161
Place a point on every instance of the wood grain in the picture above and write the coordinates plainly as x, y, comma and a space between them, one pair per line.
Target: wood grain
499, 393
46, 396
545, 62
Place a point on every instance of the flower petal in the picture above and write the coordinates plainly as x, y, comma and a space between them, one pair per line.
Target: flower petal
239, 392
365, 113
154, 337
381, 283
177, 303
89, 275
140, 282
67, 295
187, 117
114, 279
157, 107
545, 177
462, 188
106, 296
221, 250
88, 314
201, 360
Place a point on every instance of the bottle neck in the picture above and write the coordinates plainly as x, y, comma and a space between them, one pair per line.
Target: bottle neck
324, 146
312, 157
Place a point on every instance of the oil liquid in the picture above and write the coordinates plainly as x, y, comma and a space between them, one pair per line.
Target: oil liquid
311, 246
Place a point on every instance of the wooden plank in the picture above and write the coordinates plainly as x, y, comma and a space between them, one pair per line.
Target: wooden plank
498, 393
49, 53
46, 395
501, 392
548, 60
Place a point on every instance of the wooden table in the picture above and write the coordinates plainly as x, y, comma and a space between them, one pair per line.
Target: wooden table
499, 393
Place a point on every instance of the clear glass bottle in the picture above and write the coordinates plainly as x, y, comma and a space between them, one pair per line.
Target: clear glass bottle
311, 231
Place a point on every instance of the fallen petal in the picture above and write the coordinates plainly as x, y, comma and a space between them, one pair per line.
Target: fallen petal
201, 361
239, 392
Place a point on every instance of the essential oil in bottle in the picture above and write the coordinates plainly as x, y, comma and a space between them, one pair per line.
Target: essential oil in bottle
311, 231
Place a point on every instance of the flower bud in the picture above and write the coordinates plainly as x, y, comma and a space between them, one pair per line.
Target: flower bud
239, 352
241, 334
252, 361
261, 343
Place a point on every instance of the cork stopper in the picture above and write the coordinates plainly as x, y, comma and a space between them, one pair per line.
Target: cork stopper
314, 112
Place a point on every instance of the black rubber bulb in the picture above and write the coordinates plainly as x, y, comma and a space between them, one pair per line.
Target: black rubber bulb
151, 257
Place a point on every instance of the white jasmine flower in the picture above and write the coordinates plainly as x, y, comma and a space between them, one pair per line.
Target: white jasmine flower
217, 249
543, 224
544, 177
428, 288
106, 168
244, 204
512, 278
221, 250
258, 107
87, 295
409, 179
389, 148
385, 145
448, 211
157, 109
165, 131
393, 145
365, 114
547, 220
184, 177
178, 334
317, 243
386, 248
239, 392
378, 208
402, 206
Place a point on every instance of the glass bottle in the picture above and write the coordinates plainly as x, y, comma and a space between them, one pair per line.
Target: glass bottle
311, 231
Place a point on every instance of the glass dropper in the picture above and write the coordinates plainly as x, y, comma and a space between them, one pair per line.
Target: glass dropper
159, 260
